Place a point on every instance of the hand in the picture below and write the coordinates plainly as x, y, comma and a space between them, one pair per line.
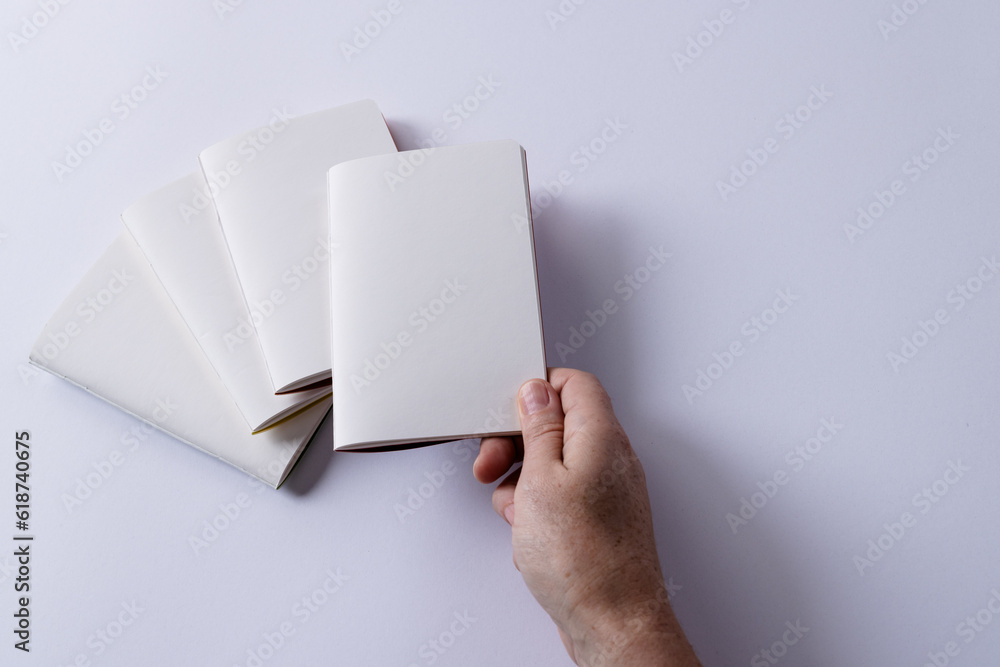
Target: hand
581, 525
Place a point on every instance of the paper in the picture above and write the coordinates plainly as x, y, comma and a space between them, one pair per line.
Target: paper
269, 186
120, 337
435, 310
178, 231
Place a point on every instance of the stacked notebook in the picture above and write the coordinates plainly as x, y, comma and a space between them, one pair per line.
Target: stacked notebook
307, 263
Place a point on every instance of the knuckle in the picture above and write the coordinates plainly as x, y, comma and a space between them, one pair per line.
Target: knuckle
536, 429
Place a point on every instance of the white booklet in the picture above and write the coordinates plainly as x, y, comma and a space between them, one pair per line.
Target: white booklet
269, 186
119, 336
178, 231
436, 320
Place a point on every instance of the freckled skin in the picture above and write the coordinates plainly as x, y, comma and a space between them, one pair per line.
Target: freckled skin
582, 529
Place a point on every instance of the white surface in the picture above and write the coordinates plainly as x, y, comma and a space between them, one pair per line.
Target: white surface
184, 245
270, 191
434, 296
553, 91
119, 336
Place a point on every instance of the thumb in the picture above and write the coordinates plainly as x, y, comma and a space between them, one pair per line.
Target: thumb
541, 424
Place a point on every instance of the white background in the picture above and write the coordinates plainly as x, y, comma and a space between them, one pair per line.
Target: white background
558, 84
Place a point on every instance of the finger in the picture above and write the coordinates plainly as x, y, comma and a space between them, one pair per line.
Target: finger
590, 421
541, 425
503, 497
496, 456
579, 390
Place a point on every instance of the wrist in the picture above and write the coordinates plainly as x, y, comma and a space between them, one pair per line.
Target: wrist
639, 639
643, 633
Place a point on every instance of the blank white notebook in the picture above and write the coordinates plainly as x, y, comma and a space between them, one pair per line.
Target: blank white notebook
269, 186
435, 310
120, 337
178, 231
